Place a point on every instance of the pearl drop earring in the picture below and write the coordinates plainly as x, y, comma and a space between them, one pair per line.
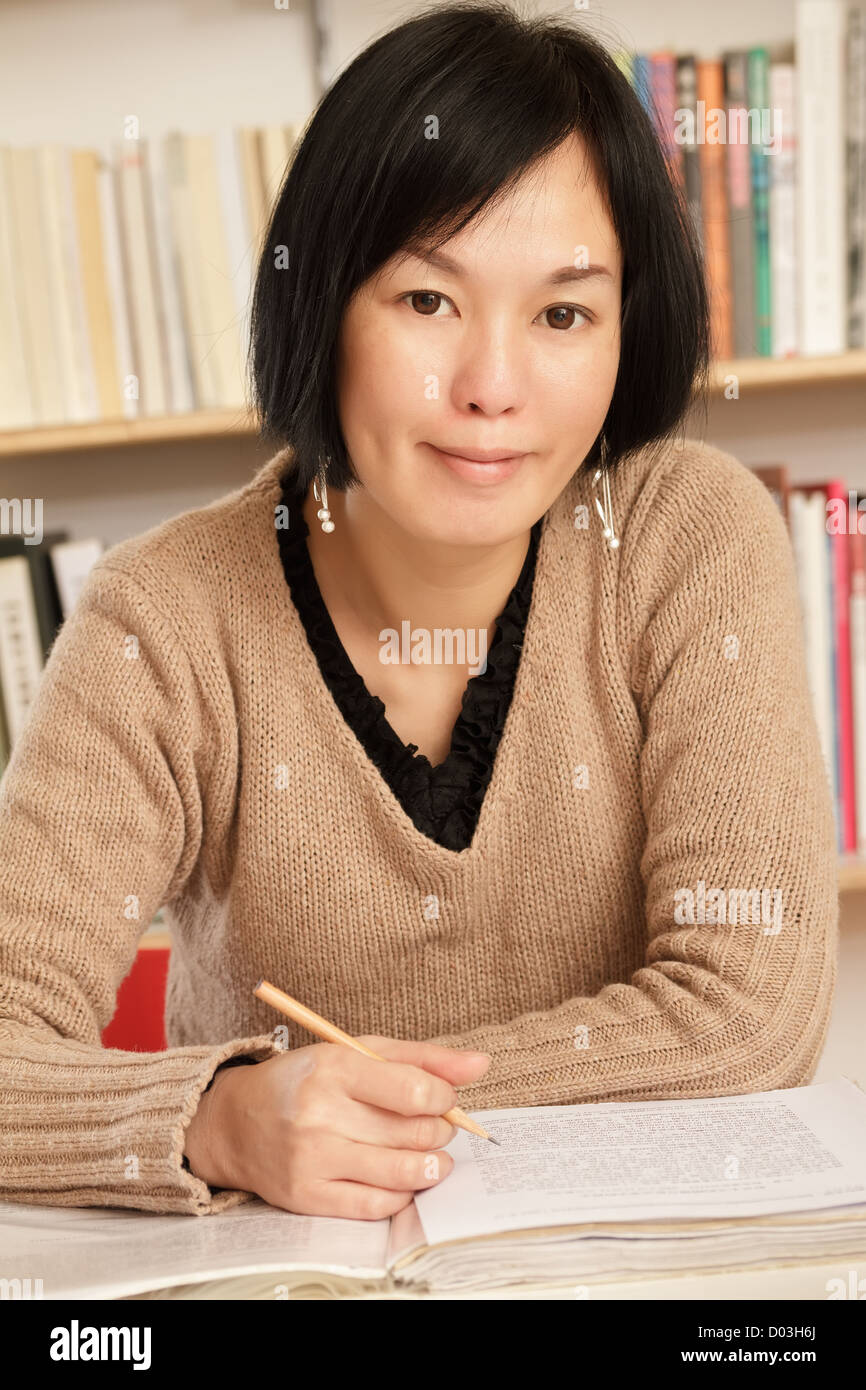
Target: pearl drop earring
605, 511
320, 492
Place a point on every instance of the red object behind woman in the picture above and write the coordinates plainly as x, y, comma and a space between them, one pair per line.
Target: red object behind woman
138, 1023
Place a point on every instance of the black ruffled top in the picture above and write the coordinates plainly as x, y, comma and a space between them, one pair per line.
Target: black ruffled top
443, 802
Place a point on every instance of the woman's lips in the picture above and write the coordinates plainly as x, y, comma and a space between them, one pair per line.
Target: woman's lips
473, 472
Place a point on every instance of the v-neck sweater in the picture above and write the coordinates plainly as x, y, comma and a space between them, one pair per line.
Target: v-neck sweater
442, 800
612, 932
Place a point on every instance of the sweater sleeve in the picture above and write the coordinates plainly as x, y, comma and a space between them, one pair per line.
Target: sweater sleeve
101, 821
735, 797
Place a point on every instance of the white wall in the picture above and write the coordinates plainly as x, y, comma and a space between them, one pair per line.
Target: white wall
70, 70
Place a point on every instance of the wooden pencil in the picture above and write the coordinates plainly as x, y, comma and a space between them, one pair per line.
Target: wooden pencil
329, 1032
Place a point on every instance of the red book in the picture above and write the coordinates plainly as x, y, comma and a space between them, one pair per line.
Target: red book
840, 551
138, 1024
857, 572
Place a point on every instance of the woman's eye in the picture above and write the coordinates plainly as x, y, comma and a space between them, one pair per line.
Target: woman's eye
425, 311
428, 309
566, 326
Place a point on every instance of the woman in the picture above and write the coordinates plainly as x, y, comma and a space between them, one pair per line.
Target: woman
535, 834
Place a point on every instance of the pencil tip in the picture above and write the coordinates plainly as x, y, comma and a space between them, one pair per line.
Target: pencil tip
259, 984
494, 1141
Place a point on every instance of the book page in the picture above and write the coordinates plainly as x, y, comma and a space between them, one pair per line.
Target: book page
406, 1234
106, 1252
791, 1150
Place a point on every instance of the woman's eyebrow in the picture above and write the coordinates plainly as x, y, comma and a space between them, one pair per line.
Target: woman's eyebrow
565, 275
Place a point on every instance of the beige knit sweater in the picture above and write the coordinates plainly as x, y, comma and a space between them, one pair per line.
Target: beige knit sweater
659, 764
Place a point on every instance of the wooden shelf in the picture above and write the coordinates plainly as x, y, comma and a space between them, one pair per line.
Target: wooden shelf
769, 373
753, 374
102, 434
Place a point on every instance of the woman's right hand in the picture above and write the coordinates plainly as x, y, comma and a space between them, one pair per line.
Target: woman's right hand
326, 1131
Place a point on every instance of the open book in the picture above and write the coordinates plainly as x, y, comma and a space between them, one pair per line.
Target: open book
573, 1195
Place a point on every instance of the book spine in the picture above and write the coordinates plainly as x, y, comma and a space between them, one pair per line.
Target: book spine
20, 649
624, 60
57, 287
274, 152
158, 315
178, 365
189, 253
641, 81
31, 256
239, 236
16, 404
830, 607
821, 188
95, 290
739, 177
781, 157
809, 541
714, 209
759, 100
49, 614
115, 273
856, 177
687, 108
139, 281
71, 562
82, 372
254, 193
857, 624
221, 340
837, 492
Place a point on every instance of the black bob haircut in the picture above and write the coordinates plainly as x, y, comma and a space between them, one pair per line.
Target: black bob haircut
364, 184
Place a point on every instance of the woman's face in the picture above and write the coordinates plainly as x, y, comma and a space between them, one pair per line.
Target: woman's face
489, 354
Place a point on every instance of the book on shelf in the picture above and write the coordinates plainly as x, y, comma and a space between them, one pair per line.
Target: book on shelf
714, 214
855, 174
740, 212
39, 584
827, 528
573, 1195
769, 148
126, 273
782, 215
822, 33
